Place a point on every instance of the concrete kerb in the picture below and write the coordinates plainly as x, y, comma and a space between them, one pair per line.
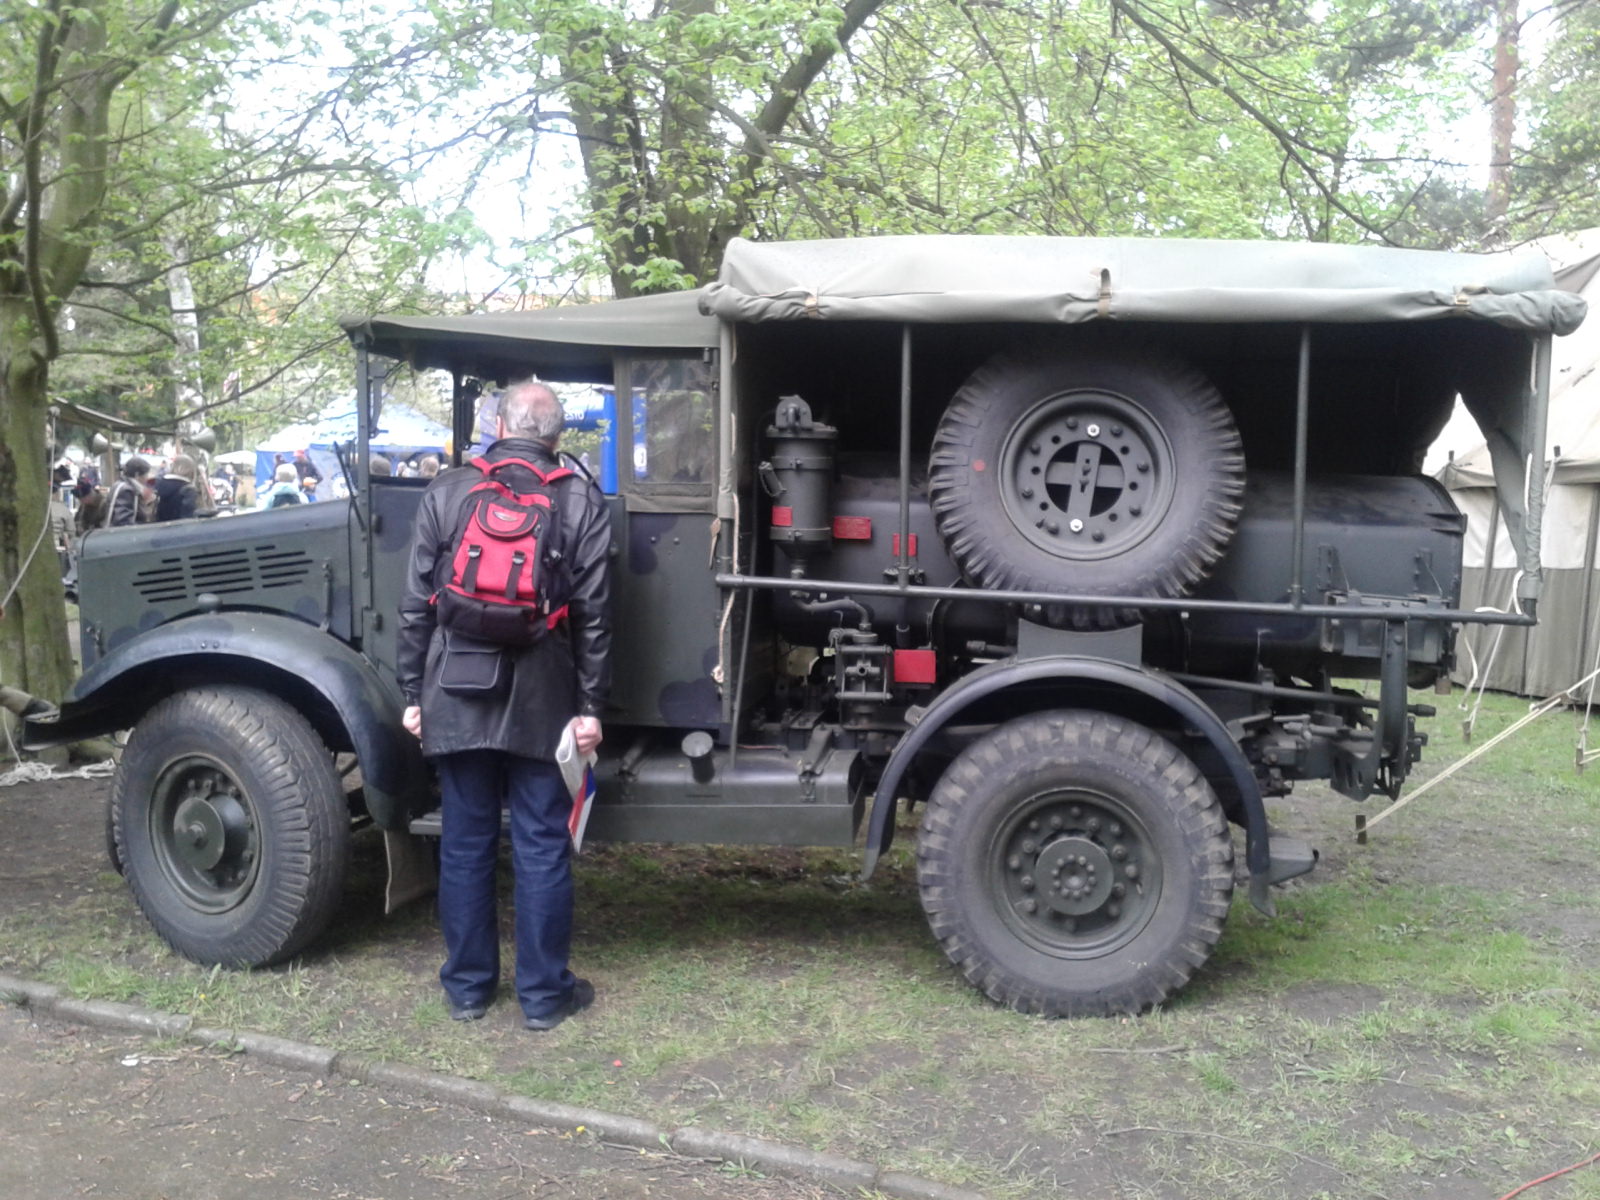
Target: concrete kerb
847, 1174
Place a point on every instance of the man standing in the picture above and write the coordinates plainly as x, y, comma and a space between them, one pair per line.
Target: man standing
129, 503
177, 497
497, 747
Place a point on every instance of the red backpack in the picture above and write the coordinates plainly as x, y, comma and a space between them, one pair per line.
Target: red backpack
506, 541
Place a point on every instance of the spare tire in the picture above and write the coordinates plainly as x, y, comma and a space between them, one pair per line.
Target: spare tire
1101, 471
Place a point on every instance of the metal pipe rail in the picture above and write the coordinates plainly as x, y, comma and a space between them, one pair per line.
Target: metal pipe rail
1343, 612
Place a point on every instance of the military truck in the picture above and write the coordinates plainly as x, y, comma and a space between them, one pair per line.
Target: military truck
1069, 548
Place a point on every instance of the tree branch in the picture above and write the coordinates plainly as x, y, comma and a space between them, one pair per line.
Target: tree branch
1290, 144
47, 55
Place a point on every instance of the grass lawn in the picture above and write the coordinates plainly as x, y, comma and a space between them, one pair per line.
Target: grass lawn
1422, 1018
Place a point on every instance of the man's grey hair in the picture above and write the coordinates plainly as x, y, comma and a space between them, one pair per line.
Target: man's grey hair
531, 410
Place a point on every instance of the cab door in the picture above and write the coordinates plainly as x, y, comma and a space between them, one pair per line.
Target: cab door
665, 606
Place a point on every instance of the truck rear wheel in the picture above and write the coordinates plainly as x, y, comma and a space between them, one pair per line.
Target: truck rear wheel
1074, 863
1102, 472
231, 825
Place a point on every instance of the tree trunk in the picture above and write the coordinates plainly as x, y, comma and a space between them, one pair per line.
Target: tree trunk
185, 336
1502, 109
34, 654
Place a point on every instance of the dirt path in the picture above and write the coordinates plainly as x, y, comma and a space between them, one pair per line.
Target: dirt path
92, 1114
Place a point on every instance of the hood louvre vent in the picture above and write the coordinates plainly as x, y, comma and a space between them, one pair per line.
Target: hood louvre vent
222, 573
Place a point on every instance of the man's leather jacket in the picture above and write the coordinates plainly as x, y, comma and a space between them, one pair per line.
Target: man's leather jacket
563, 675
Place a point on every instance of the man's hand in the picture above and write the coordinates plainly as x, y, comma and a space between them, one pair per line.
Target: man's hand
412, 720
586, 732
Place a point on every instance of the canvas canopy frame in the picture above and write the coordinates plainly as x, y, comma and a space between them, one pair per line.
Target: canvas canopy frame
915, 281
921, 280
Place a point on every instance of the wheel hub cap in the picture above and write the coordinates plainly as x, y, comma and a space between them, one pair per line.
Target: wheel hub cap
205, 828
1075, 873
1078, 876
204, 835
1084, 475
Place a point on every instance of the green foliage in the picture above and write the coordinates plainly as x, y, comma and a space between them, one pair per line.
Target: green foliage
696, 120
1557, 174
277, 230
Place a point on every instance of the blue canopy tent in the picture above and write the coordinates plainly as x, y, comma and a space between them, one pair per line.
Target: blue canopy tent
401, 432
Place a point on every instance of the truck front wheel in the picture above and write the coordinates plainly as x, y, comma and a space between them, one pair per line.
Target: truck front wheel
1074, 863
231, 826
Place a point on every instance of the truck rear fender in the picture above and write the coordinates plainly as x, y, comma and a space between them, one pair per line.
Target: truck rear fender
1010, 688
327, 682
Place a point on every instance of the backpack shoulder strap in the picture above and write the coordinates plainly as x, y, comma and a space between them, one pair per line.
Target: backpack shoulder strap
573, 466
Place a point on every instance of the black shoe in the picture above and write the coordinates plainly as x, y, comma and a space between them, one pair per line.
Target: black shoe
466, 1012
582, 996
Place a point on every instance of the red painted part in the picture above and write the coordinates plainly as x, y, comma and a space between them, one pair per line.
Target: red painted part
894, 545
915, 666
782, 515
855, 529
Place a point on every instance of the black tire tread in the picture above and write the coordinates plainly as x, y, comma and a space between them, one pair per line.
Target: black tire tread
1194, 807
984, 561
303, 798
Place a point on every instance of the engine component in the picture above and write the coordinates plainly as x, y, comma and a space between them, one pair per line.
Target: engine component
799, 480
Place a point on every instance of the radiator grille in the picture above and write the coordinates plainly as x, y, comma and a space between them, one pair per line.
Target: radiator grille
222, 573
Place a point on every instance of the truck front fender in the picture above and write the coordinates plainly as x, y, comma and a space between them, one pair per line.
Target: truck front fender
1241, 795
336, 689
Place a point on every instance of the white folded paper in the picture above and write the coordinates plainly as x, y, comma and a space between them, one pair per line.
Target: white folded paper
578, 772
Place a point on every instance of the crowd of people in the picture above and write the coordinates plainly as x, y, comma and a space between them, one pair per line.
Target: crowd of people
143, 494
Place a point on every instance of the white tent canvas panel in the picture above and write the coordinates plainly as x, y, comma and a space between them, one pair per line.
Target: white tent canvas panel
1549, 658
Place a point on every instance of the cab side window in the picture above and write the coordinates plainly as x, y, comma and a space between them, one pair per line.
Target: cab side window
672, 442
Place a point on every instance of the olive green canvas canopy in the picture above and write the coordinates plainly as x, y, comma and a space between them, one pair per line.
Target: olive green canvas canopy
944, 278
951, 279
577, 337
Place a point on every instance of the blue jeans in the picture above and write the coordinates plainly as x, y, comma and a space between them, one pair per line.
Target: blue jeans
474, 784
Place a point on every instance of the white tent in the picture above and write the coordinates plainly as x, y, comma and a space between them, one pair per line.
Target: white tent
1548, 659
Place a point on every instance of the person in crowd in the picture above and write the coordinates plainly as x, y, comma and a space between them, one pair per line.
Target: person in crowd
379, 465
285, 488
130, 502
61, 528
428, 467
177, 497
222, 486
91, 508
498, 749
306, 469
